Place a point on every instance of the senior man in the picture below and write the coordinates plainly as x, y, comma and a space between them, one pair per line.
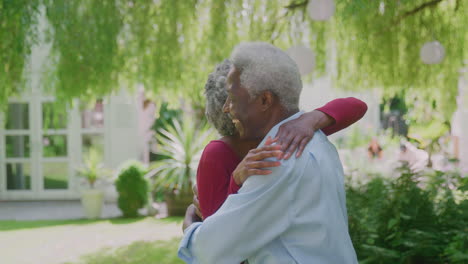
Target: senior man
297, 214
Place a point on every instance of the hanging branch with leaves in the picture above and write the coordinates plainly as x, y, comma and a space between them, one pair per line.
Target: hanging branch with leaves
171, 46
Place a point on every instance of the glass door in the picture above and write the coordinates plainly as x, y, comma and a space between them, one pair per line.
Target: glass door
54, 158
42, 144
18, 147
92, 128
16, 152
34, 151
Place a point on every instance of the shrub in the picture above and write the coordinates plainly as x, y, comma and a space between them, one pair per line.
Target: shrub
132, 188
166, 118
412, 218
183, 144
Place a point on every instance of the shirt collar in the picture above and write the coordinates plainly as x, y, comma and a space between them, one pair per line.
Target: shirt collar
274, 130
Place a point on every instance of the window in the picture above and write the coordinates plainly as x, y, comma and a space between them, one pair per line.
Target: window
17, 151
92, 127
55, 175
17, 116
18, 176
54, 143
17, 146
92, 115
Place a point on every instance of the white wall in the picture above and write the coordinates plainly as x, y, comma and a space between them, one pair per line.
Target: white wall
462, 120
120, 130
122, 142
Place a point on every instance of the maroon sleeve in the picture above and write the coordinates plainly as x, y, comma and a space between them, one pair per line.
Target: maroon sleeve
345, 111
233, 187
213, 178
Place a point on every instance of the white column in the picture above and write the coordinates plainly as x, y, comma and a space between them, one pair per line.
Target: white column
123, 140
2, 159
463, 119
74, 149
121, 130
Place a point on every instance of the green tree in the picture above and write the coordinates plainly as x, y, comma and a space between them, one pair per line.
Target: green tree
170, 46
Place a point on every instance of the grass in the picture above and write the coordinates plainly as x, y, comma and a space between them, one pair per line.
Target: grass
161, 252
10, 225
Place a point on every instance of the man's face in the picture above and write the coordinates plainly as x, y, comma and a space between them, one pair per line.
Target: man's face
242, 108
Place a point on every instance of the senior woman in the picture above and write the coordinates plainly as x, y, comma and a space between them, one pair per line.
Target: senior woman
229, 155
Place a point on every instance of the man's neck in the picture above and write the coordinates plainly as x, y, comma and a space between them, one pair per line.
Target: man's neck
241, 146
276, 117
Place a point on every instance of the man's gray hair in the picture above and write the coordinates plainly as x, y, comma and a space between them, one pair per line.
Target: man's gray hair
216, 95
264, 67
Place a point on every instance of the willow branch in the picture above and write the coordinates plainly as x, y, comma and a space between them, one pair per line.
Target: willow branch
409, 13
297, 4
406, 14
417, 9
274, 26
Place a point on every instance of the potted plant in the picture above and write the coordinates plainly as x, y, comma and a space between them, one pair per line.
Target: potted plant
92, 170
183, 144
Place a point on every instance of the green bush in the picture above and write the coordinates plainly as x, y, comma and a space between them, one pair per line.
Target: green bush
411, 218
132, 188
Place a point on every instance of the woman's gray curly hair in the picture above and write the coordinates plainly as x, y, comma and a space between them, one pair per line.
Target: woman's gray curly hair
216, 95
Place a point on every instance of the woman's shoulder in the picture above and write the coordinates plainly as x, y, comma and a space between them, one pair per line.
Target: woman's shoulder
218, 147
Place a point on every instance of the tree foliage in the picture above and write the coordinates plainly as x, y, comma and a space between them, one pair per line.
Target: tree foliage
17, 34
101, 46
85, 50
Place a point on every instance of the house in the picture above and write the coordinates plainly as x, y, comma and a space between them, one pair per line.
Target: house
41, 146
40, 153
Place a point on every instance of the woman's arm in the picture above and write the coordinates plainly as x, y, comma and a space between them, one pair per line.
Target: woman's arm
345, 112
295, 134
332, 117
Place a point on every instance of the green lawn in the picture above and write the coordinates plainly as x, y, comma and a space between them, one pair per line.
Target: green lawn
161, 252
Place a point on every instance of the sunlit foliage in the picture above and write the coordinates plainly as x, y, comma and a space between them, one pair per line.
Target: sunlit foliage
170, 46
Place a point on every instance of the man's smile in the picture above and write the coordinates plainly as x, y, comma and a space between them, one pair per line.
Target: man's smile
237, 123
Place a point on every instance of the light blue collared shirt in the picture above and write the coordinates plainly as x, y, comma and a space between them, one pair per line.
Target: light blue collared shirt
297, 214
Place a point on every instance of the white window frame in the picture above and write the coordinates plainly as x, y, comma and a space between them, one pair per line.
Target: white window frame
93, 131
54, 193
21, 194
74, 133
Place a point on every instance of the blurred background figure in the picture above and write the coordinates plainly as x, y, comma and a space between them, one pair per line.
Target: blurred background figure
417, 159
147, 116
374, 149
93, 117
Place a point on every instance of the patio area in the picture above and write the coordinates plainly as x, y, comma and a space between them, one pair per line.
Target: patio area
55, 232
69, 241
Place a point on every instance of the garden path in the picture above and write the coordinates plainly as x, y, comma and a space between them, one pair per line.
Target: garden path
67, 243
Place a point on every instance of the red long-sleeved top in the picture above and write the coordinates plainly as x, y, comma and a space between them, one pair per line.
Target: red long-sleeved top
218, 161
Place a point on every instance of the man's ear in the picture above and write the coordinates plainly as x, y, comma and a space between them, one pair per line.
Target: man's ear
267, 99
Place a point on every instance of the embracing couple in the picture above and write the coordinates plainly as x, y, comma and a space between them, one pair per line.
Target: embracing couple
271, 190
